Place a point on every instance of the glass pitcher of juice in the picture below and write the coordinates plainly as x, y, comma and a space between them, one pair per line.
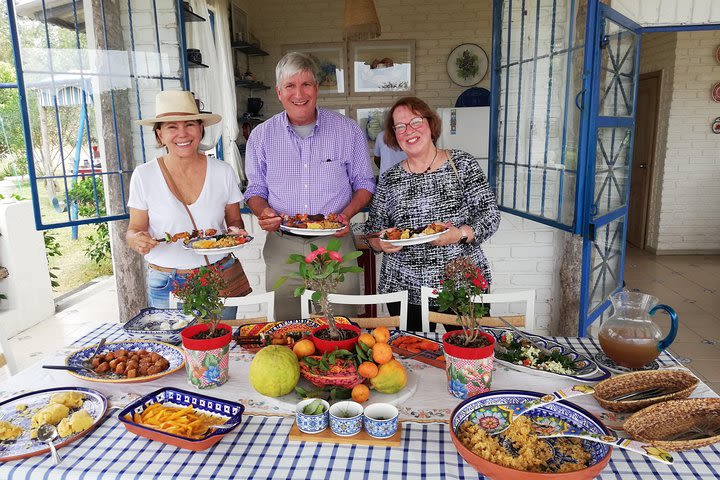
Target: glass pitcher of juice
629, 336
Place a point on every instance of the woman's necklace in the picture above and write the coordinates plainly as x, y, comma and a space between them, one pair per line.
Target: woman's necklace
428, 167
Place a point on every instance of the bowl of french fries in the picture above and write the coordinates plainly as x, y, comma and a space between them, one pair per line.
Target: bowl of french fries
181, 418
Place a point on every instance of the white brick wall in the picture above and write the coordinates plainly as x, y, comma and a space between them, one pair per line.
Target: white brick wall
686, 176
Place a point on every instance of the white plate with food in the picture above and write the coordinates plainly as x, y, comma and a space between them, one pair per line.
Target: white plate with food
311, 232
217, 244
416, 239
75, 411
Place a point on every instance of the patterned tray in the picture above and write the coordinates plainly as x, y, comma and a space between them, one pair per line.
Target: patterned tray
434, 358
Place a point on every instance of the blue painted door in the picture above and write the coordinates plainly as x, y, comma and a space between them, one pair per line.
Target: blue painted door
611, 90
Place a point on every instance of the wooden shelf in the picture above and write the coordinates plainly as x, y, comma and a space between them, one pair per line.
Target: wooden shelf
249, 49
251, 84
192, 17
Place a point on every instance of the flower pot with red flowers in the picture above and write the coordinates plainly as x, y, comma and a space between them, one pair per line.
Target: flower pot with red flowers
207, 343
469, 353
322, 270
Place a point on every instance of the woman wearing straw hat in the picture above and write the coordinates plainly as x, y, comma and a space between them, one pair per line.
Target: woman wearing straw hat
182, 191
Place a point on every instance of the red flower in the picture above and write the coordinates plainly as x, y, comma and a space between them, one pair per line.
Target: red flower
310, 257
335, 256
203, 281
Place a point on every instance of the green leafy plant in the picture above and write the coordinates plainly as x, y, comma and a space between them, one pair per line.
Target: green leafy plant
52, 249
98, 247
200, 296
322, 270
83, 193
462, 281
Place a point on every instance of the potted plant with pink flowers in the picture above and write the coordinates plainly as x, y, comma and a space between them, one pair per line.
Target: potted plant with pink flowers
322, 270
469, 352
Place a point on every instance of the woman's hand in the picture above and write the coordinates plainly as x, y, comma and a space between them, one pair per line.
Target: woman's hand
141, 242
269, 220
453, 235
385, 247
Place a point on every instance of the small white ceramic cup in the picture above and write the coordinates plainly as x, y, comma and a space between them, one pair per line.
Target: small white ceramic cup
311, 423
381, 420
346, 418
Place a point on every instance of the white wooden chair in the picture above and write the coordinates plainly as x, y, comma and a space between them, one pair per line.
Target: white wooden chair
365, 322
525, 321
267, 299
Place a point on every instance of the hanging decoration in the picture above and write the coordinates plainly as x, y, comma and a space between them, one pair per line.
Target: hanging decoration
360, 21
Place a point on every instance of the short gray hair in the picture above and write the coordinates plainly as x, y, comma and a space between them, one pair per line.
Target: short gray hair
292, 64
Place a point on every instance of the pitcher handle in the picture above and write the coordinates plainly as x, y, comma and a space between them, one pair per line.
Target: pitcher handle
665, 342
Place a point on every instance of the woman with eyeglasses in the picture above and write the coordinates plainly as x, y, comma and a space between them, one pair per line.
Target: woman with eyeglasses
431, 185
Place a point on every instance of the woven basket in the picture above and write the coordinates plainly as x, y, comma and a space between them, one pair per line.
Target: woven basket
664, 420
682, 382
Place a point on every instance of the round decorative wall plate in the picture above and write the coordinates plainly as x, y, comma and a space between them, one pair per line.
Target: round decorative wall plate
715, 92
467, 64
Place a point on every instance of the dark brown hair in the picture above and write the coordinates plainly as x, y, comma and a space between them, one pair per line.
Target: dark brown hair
416, 106
157, 126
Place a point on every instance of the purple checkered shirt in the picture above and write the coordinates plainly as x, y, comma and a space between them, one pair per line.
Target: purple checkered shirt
317, 174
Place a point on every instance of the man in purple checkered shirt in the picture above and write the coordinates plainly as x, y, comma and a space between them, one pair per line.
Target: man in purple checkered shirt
304, 160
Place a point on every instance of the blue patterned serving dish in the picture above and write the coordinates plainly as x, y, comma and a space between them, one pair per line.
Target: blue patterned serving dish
175, 397
346, 418
589, 371
380, 420
159, 324
491, 410
312, 423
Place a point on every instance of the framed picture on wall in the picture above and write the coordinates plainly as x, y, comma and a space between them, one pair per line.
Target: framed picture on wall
238, 24
383, 66
330, 58
335, 108
371, 121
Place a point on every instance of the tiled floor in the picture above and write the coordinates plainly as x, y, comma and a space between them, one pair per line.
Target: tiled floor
688, 283
691, 285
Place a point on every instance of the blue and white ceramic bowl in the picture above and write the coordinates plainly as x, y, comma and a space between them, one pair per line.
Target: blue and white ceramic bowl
381, 420
311, 423
346, 418
158, 324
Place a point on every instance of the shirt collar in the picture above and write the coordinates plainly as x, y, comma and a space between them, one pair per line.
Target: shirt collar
288, 125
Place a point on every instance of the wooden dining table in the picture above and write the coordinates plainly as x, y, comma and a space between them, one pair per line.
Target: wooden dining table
260, 448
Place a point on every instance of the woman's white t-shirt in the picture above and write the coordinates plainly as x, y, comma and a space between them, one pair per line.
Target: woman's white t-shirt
150, 192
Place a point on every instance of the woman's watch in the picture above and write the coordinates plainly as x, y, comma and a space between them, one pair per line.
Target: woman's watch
463, 238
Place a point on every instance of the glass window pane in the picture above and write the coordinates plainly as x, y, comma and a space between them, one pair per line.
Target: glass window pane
607, 250
612, 158
617, 70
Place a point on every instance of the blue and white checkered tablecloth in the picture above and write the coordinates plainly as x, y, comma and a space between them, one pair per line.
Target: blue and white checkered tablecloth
259, 449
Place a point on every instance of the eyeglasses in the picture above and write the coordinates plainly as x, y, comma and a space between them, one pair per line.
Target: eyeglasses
414, 123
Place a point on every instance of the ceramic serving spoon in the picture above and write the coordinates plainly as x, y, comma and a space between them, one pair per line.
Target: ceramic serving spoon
565, 430
556, 396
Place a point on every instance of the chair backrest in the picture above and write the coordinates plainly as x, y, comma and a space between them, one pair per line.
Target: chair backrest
267, 299
365, 322
527, 320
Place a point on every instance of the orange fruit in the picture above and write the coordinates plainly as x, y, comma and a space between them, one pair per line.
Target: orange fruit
367, 370
382, 353
367, 339
360, 393
381, 334
304, 347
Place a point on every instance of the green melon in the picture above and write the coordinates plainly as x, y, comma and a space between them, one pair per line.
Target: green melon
274, 371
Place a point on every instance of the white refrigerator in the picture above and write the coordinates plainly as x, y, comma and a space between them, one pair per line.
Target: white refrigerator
466, 128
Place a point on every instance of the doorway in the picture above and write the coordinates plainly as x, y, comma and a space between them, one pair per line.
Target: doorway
646, 121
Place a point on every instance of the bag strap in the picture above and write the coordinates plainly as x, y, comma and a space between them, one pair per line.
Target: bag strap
173, 188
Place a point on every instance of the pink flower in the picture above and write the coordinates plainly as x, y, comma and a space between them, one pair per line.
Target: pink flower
435, 292
203, 281
335, 256
310, 257
321, 250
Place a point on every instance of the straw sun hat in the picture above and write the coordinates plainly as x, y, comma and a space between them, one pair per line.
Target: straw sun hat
178, 106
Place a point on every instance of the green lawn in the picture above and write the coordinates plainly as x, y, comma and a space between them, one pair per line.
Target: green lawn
75, 269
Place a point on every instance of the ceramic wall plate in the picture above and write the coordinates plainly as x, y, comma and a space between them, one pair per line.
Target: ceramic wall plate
214, 251
311, 232
431, 357
416, 239
231, 412
493, 408
467, 64
158, 324
20, 410
172, 354
608, 363
588, 370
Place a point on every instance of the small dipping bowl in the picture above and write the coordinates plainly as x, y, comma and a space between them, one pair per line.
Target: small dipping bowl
311, 423
346, 418
381, 420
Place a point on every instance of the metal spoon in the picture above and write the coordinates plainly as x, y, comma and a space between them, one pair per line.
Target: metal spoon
565, 430
556, 396
523, 336
47, 433
99, 346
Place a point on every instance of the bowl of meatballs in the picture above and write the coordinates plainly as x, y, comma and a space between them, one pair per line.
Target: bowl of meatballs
126, 362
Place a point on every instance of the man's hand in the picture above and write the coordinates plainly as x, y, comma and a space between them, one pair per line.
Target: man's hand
269, 220
346, 223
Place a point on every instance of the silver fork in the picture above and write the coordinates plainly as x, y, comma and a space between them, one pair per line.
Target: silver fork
705, 428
